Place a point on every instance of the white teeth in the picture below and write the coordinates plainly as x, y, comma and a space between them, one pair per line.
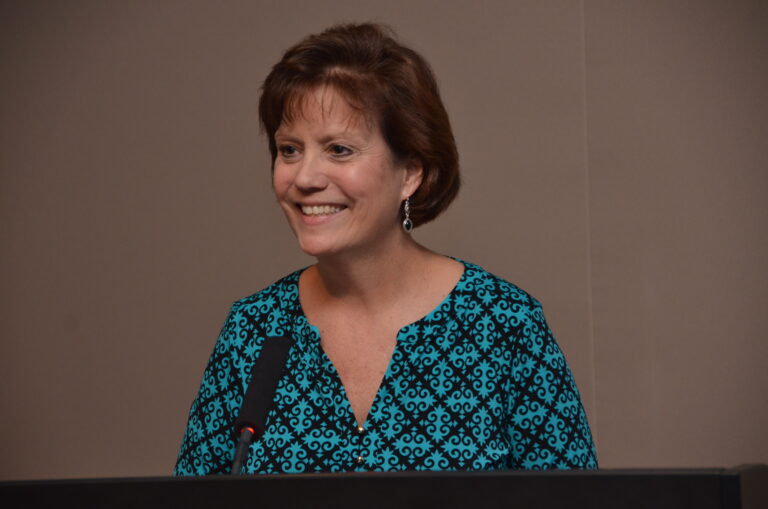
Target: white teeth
320, 210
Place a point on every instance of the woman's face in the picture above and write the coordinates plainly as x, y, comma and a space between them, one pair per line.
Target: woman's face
336, 179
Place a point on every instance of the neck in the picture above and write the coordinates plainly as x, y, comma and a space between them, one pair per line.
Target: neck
375, 278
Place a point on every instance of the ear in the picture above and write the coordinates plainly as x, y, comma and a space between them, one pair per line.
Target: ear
412, 177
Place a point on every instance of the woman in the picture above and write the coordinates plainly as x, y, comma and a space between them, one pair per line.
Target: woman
402, 358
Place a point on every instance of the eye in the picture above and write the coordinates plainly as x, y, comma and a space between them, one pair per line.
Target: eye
287, 150
339, 150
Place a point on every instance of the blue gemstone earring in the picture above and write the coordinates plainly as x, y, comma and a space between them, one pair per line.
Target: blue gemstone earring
407, 223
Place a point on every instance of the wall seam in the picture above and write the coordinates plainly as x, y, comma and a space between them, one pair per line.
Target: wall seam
588, 215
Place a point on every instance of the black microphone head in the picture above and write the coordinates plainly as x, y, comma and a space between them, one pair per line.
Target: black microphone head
261, 390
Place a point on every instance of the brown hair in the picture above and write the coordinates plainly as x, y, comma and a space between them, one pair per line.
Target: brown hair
391, 84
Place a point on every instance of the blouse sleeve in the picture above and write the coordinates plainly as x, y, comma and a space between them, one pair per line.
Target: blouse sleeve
547, 425
208, 445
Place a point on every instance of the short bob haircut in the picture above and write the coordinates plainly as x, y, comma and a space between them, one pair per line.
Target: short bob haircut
387, 82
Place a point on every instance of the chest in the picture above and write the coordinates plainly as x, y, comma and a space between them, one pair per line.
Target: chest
360, 354
441, 405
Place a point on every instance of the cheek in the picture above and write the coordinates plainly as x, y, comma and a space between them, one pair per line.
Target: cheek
368, 182
280, 182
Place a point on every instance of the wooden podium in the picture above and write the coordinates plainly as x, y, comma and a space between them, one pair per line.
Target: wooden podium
742, 487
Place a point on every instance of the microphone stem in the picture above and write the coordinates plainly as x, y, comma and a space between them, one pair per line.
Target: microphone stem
242, 450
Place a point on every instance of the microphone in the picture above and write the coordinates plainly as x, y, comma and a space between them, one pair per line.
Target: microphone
259, 395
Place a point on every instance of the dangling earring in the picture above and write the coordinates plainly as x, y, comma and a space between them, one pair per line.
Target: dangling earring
407, 223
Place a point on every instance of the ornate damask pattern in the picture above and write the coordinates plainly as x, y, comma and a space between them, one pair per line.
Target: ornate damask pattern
479, 383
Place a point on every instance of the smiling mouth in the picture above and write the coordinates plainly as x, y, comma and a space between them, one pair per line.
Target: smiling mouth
320, 210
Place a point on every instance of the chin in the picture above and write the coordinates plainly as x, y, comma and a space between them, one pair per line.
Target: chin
316, 247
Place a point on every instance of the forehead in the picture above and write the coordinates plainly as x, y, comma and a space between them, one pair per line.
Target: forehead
324, 105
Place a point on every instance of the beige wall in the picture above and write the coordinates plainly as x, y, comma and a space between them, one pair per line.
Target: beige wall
614, 164
677, 116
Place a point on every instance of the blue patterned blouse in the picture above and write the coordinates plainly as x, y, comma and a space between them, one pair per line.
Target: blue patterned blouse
478, 383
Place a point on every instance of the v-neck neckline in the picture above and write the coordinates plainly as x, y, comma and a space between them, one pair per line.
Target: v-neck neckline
402, 340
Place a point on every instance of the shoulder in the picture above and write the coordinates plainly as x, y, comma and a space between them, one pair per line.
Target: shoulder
268, 312
282, 293
495, 308
490, 288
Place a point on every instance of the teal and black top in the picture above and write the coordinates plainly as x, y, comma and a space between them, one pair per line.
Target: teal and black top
477, 384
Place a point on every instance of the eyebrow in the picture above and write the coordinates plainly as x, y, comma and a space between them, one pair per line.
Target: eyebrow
278, 134
333, 136
325, 139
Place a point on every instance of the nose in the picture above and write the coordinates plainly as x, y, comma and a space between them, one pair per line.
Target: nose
310, 173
